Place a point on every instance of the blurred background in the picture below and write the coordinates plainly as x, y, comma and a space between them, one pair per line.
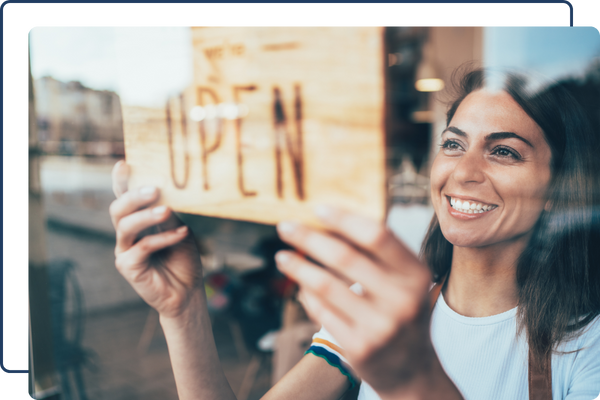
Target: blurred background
92, 336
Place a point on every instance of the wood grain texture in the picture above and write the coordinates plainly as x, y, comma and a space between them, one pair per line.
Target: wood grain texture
311, 131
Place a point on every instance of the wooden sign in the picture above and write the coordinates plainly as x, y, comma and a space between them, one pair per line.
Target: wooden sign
277, 121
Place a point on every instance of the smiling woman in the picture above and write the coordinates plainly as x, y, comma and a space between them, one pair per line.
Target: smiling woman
530, 158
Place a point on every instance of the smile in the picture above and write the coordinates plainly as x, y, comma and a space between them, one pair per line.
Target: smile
470, 207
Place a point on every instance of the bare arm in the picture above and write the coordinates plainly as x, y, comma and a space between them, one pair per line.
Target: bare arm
193, 353
199, 375
428, 383
311, 379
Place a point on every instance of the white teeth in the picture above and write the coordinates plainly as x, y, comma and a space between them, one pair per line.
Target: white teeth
470, 207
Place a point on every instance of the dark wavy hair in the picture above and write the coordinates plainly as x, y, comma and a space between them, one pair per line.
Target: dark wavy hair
558, 274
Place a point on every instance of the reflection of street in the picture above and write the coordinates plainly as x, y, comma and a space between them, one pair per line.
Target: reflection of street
126, 372
77, 194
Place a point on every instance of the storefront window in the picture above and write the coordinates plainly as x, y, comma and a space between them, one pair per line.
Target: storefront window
93, 337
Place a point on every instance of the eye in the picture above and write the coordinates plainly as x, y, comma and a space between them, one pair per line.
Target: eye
506, 152
451, 145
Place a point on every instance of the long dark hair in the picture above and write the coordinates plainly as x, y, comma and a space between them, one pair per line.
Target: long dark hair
558, 274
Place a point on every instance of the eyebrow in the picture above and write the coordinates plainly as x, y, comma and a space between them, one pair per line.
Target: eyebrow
491, 136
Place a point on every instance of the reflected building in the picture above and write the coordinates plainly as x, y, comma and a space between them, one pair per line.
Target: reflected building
76, 120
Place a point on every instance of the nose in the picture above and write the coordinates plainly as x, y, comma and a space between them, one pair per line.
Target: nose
469, 168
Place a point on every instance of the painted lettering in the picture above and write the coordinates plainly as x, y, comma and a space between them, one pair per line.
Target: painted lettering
283, 138
238, 138
206, 150
177, 184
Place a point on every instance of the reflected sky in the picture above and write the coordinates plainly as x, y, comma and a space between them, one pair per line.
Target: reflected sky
143, 65
554, 52
147, 65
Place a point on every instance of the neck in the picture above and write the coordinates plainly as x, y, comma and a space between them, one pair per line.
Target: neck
483, 280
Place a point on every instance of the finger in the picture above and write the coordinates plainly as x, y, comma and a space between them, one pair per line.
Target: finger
120, 176
328, 288
130, 202
370, 235
133, 262
130, 227
308, 308
379, 283
318, 311
334, 253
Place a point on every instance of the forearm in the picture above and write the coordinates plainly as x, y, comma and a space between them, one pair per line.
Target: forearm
193, 353
432, 383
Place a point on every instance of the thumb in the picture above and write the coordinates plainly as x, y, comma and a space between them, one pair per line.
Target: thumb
120, 177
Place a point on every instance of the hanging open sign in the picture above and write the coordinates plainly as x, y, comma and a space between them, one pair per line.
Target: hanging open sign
277, 121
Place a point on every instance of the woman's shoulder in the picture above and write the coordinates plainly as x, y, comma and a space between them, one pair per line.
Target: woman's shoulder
586, 337
576, 363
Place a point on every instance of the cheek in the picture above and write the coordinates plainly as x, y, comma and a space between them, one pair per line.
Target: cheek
441, 169
525, 197
527, 188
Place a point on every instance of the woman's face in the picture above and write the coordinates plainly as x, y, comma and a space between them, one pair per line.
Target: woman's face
495, 161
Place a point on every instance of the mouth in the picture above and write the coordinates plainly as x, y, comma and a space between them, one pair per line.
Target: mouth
465, 206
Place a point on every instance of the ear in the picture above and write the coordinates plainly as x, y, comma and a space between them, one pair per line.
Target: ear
548, 206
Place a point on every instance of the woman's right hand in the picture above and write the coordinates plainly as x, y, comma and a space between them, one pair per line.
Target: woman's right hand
154, 252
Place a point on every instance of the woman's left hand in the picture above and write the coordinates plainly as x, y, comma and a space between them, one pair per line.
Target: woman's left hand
384, 331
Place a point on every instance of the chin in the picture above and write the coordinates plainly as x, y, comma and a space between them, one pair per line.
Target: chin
460, 238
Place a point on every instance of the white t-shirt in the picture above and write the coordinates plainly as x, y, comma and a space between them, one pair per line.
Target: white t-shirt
486, 359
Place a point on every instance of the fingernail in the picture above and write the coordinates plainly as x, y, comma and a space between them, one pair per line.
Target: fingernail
182, 229
282, 257
147, 191
324, 212
286, 227
159, 210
